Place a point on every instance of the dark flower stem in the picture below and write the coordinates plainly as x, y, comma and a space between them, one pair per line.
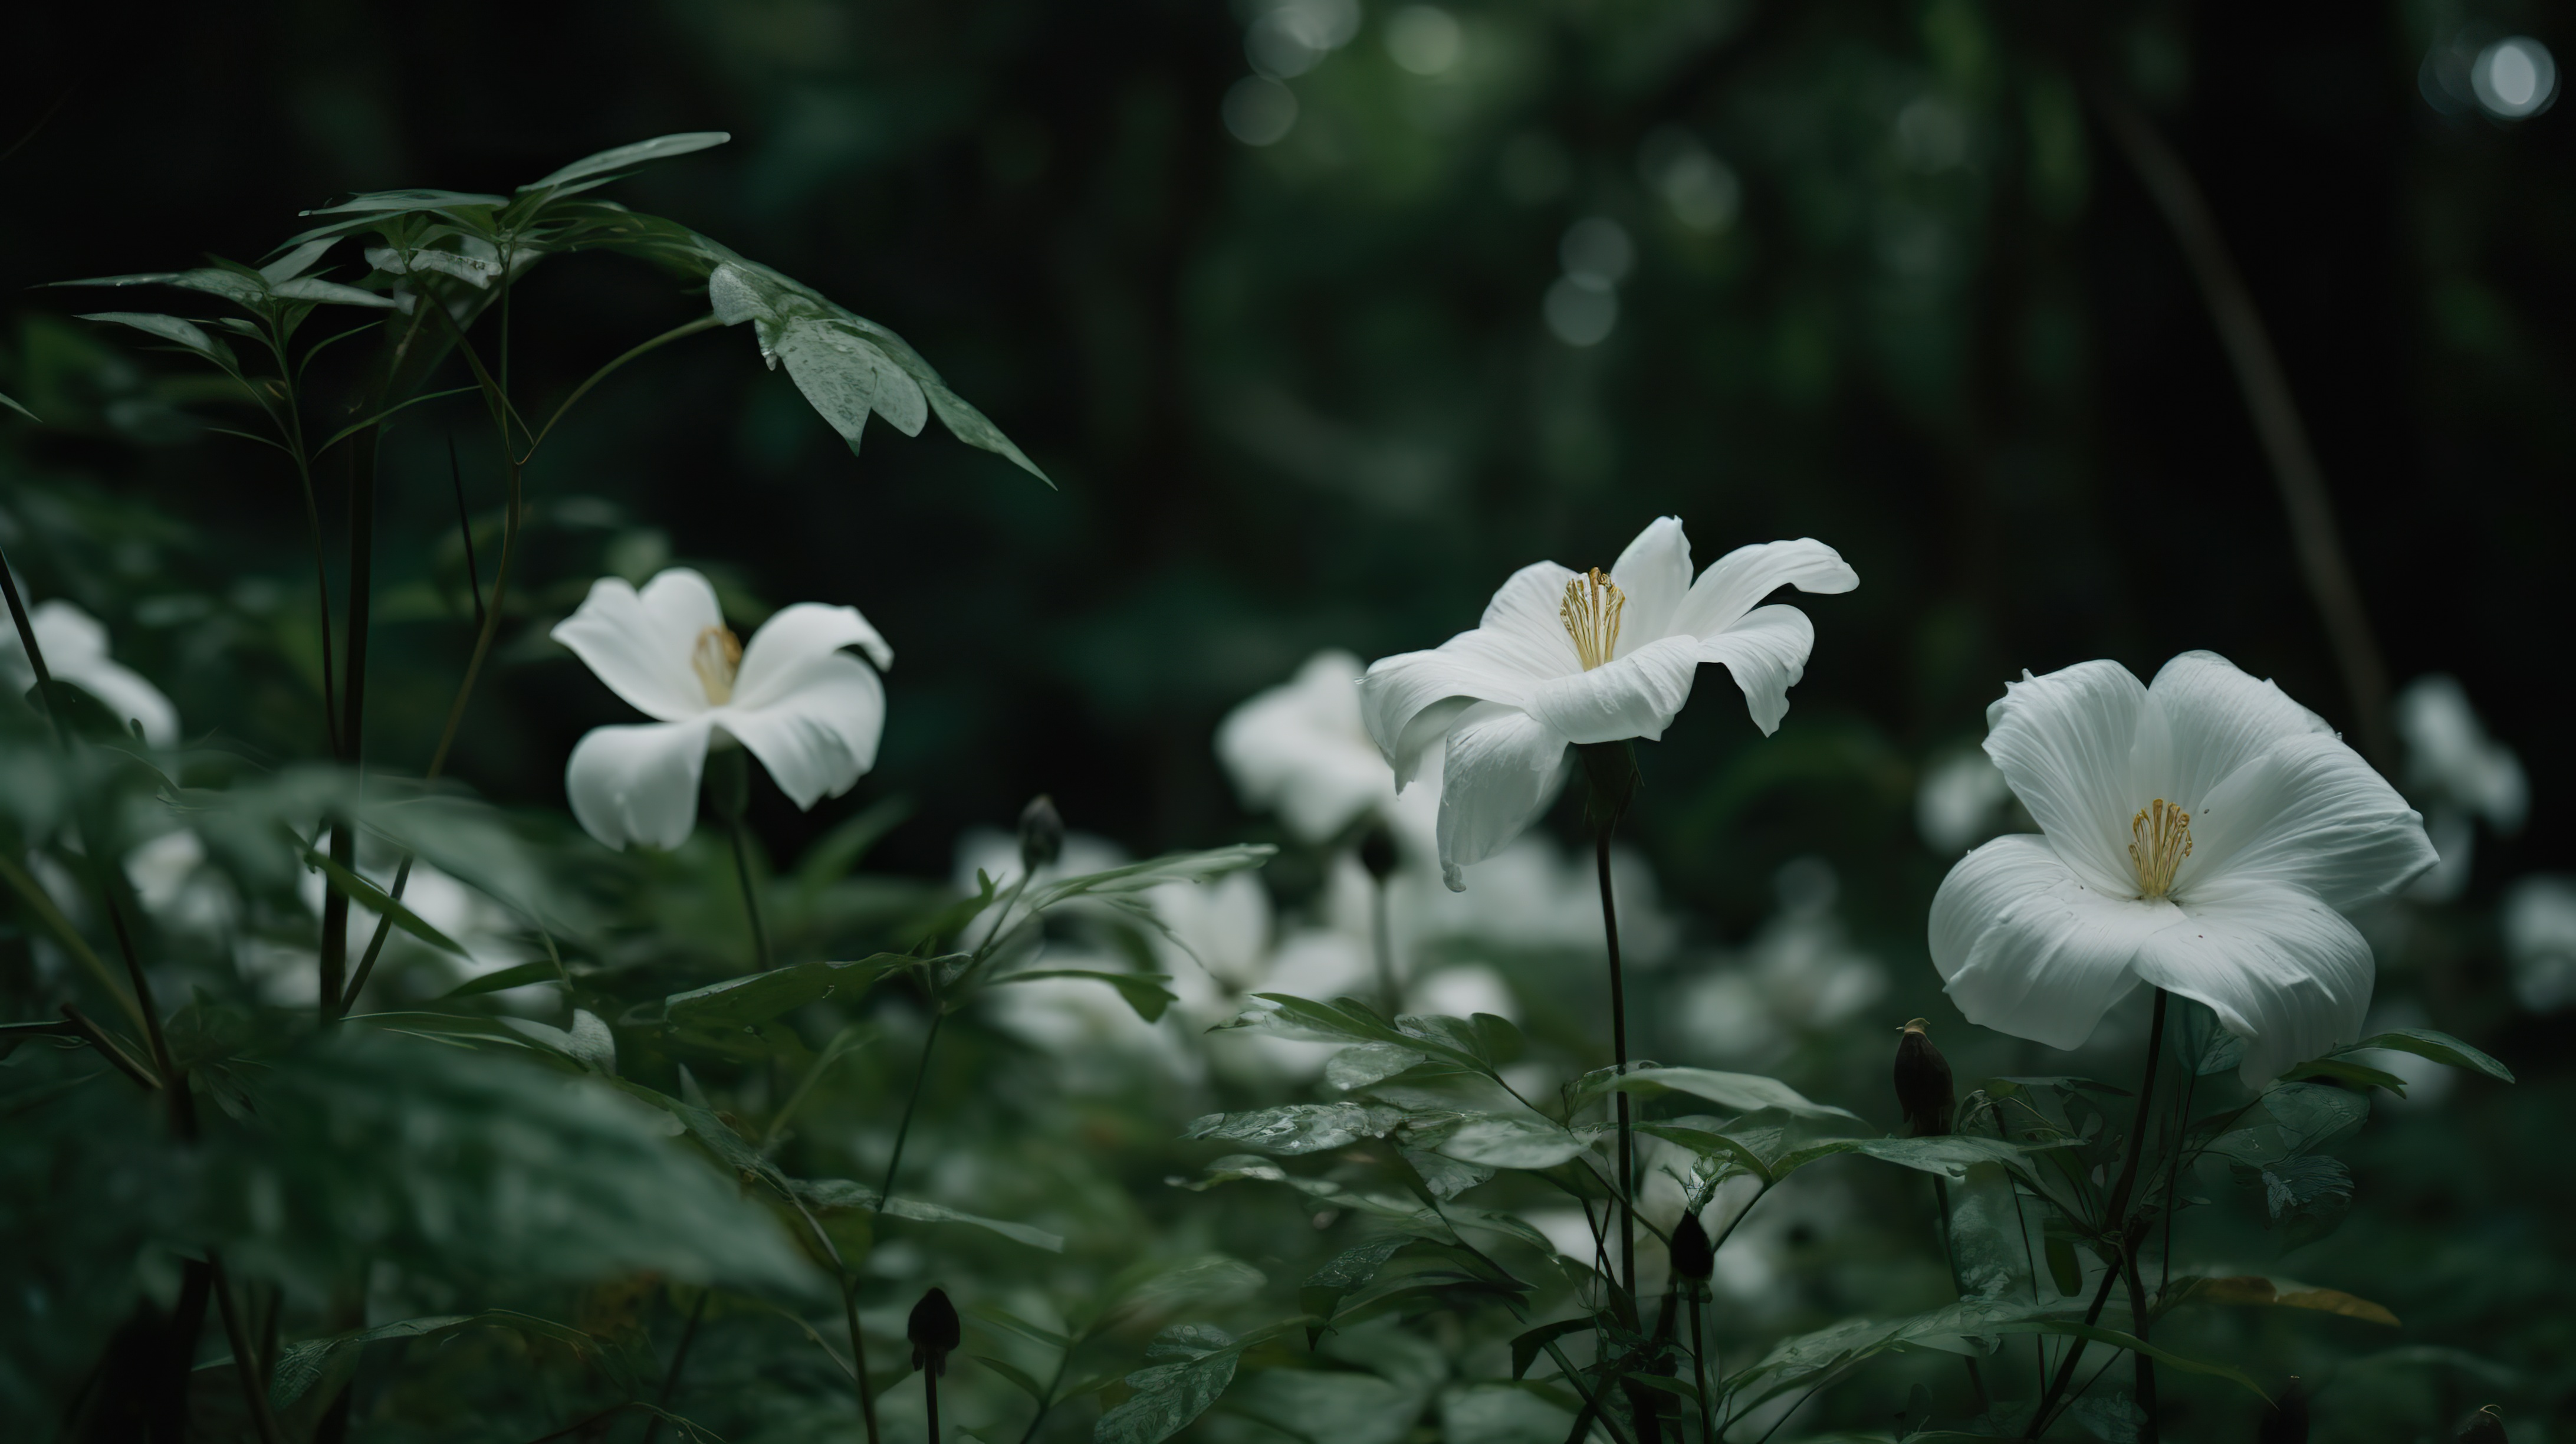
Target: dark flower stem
679, 1361
1699, 1363
2114, 1217
1619, 1055
1384, 939
760, 958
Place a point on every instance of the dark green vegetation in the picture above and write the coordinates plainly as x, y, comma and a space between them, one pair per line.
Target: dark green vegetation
1895, 283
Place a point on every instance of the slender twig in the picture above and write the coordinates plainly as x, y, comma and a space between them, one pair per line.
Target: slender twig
1383, 938
1699, 1365
703, 323
921, 1075
930, 1401
1591, 1402
254, 1384
1619, 1053
376, 944
41, 903
465, 530
760, 958
849, 1315
2113, 1221
108, 1048
679, 1360
2323, 563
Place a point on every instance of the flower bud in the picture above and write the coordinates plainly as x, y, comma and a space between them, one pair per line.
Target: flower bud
1692, 1258
934, 1329
1377, 851
2483, 1427
1923, 1088
1041, 833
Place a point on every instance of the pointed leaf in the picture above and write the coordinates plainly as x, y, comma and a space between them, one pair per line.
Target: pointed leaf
659, 148
2440, 1047
1144, 992
747, 1001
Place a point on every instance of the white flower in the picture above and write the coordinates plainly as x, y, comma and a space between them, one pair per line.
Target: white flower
809, 712
75, 648
2206, 835
2460, 774
1303, 751
1800, 975
2540, 941
1563, 658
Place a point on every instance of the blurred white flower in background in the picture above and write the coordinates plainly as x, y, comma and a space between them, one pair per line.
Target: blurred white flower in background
2540, 941
1301, 750
2205, 834
1962, 800
2459, 774
75, 648
1563, 658
1799, 975
808, 710
171, 878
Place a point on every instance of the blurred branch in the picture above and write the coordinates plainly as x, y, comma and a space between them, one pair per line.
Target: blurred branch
2323, 563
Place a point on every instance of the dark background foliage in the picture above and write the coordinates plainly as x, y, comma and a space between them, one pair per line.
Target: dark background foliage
1302, 395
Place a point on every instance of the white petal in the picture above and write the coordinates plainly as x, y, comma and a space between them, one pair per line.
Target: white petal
1636, 695
2027, 947
2205, 719
1737, 582
1524, 625
794, 639
638, 783
1655, 573
1504, 767
2309, 813
2064, 741
1300, 749
819, 734
1766, 652
2281, 969
75, 646
640, 643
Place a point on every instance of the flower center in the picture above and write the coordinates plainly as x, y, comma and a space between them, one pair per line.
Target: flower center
1591, 611
716, 657
2160, 838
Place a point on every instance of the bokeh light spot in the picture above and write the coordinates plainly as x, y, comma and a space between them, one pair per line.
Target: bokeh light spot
2515, 78
1424, 39
1596, 250
1581, 309
1260, 111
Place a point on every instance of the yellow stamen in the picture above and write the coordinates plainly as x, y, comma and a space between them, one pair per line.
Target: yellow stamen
1591, 611
2161, 836
716, 658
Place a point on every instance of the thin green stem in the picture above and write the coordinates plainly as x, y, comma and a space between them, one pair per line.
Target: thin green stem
703, 323
850, 1316
679, 1361
246, 1364
2114, 1224
1383, 938
1619, 1053
920, 1078
760, 957
1699, 1367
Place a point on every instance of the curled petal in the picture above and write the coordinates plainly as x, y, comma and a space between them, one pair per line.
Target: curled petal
1737, 582
638, 783
1504, 767
2026, 947
639, 643
2204, 719
1655, 573
2281, 969
1633, 696
818, 737
796, 639
1766, 653
2064, 742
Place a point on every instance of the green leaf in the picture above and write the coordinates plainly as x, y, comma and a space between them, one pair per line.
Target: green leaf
168, 328
1169, 1397
12, 403
1144, 992
1019, 1378
746, 1001
994, 1316
315, 289
376, 900
641, 152
1526, 1347
1299, 1127
842, 1193
543, 970
2294, 1118
2119, 1340
2064, 1269
300, 1364
1503, 1140
839, 851
2356, 1074
1152, 873
2440, 1047
1950, 1157
972, 427
1359, 1066
1742, 1092
1350, 1269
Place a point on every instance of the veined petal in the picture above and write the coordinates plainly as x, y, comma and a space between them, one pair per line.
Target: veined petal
2280, 968
638, 783
2027, 947
2064, 742
1736, 582
1524, 625
1635, 695
2204, 719
796, 639
639, 642
2309, 813
1766, 652
1655, 573
1397, 689
1504, 767
818, 736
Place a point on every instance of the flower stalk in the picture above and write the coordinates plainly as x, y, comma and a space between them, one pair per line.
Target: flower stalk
1611, 771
